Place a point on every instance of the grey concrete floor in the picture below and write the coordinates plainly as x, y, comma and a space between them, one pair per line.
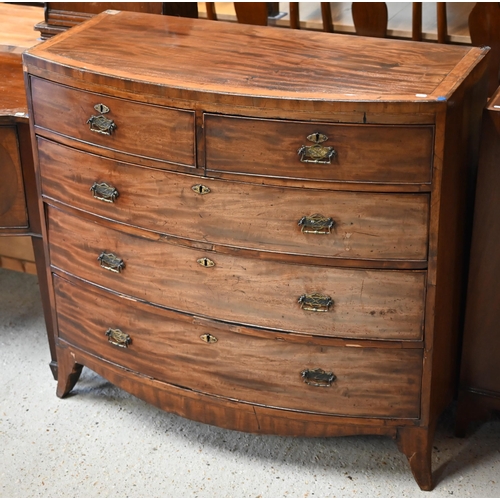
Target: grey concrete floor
102, 442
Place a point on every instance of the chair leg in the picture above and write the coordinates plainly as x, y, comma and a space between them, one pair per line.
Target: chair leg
442, 23
416, 22
326, 15
294, 15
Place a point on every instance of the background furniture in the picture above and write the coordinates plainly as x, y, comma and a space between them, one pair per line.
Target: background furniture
480, 376
251, 245
19, 211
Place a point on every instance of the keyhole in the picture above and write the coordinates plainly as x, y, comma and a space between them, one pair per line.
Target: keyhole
205, 262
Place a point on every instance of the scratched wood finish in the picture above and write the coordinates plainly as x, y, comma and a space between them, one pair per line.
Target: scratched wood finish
363, 153
367, 304
263, 218
12, 199
168, 133
311, 65
266, 371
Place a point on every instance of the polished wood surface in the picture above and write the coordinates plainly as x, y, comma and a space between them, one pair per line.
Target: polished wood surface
367, 304
401, 311
19, 209
262, 218
480, 372
384, 155
169, 133
183, 57
241, 366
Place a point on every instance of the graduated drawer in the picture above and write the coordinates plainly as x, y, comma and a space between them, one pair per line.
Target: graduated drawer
259, 369
363, 153
366, 303
141, 129
264, 218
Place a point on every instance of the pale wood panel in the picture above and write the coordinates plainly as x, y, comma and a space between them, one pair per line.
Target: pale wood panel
16, 253
16, 25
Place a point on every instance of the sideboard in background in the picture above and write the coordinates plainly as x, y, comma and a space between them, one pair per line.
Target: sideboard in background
480, 375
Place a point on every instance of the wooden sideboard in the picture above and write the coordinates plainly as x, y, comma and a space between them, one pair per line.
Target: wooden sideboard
480, 375
256, 228
19, 208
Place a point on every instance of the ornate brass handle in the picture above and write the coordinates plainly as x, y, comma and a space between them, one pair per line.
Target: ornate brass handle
100, 123
316, 153
111, 262
316, 224
318, 377
104, 192
315, 302
118, 338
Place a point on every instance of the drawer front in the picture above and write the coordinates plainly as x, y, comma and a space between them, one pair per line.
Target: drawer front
140, 129
254, 369
264, 218
363, 153
13, 212
366, 304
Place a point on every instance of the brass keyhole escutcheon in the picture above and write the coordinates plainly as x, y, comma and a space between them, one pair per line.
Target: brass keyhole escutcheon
208, 338
200, 189
206, 262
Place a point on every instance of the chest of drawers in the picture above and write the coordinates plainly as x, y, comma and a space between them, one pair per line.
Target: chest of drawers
255, 228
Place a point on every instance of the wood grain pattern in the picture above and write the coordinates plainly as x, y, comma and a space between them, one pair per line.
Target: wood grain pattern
168, 133
264, 371
405, 120
13, 211
364, 153
311, 65
264, 218
368, 304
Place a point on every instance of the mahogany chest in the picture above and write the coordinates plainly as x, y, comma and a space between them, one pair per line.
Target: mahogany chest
257, 228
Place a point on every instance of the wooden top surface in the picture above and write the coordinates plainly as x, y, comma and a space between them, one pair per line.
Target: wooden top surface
209, 56
12, 93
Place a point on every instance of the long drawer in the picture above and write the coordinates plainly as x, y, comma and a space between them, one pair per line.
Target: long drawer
356, 153
326, 301
306, 222
138, 129
262, 370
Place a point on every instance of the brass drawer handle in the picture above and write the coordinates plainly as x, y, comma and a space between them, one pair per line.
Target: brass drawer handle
318, 377
316, 153
111, 262
104, 192
316, 224
100, 123
118, 338
315, 302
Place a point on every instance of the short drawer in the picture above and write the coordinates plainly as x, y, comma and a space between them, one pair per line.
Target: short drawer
310, 222
326, 301
270, 371
139, 129
13, 213
361, 153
